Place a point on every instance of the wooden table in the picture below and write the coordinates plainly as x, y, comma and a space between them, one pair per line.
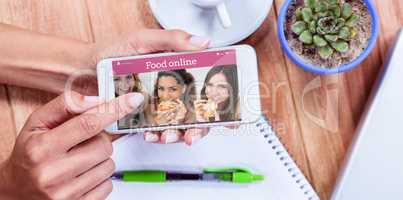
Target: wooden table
314, 115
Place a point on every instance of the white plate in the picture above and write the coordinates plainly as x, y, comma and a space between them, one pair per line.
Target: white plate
246, 17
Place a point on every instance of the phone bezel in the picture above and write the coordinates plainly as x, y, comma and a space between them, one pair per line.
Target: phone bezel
248, 83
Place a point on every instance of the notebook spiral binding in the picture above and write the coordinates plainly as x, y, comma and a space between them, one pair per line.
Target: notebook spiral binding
282, 153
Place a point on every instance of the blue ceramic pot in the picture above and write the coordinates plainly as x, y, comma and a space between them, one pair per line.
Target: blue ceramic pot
318, 70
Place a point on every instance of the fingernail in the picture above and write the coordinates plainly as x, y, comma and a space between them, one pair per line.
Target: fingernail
199, 41
171, 138
91, 99
136, 99
149, 137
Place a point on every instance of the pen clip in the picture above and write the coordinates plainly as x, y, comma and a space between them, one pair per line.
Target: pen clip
226, 170
235, 174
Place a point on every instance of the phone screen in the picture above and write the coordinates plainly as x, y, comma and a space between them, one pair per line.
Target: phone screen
180, 89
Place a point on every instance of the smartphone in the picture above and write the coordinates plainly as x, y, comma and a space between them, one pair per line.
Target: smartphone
215, 87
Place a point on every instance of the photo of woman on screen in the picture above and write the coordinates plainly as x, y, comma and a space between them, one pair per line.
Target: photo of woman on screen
219, 95
173, 97
126, 84
129, 83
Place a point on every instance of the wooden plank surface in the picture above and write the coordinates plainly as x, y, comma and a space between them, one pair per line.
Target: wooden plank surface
314, 115
58, 17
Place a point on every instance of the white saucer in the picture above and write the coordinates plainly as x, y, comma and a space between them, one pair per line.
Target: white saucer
246, 17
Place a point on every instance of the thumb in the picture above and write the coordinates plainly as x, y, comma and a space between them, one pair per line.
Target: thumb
61, 109
170, 40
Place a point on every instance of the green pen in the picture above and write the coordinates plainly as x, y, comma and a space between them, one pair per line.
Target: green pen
234, 175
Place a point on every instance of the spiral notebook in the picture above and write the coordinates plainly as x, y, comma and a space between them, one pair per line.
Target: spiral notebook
252, 146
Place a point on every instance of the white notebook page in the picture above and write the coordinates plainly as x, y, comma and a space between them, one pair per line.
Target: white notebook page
244, 147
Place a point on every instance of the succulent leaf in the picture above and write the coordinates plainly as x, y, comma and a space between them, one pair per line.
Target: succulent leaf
310, 3
298, 27
333, 2
319, 41
337, 11
341, 22
320, 6
307, 14
320, 30
347, 11
312, 27
315, 17
332, 6
344, 33
326, 25
298, 13
340, 46
353, 20
331, 38
325, 52
323, 14
306, 37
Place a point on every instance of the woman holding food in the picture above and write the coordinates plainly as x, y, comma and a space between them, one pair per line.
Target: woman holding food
219, 95
129, 83
174, 94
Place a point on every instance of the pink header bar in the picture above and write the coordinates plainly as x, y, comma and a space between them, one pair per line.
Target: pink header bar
167, 63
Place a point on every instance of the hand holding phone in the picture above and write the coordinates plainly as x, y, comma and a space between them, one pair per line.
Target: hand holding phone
62, 152
181, 111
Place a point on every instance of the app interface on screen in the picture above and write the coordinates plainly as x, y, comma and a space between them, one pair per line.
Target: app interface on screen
180, 89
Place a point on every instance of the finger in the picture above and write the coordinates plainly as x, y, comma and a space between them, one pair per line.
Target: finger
90, 180
85, 156
79, 160
61, 109
170, 116
152, 137
182, 106
154, 40
113, 137
171, 136
165, 113
100, 192
93, 121
194, 134
167, 116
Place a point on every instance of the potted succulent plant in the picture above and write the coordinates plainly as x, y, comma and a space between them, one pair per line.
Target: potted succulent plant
328, 36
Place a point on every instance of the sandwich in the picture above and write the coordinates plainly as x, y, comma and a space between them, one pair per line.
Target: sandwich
167, 106
210, 109
206, 109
